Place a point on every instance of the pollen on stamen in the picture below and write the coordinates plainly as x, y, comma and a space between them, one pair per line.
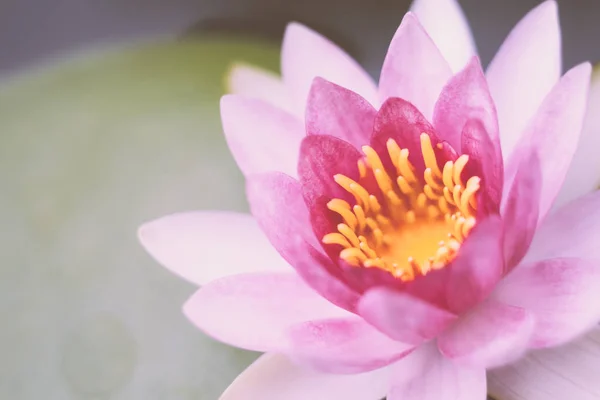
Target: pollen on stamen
415, 222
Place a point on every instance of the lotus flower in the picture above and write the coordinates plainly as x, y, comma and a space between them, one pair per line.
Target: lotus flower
403, 237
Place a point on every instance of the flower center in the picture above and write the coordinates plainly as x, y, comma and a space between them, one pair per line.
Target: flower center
413, 224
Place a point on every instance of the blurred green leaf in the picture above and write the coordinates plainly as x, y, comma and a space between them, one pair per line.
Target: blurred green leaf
90, 148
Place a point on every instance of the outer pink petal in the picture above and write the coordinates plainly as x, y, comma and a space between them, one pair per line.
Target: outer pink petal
493, 334
276, 200
524, 70
320, 273
565, 372
584, 173
478, 266
426, 375
445, 22
521, 211
402, 316
571, 231
561, 293
346, 346
414, 69
275, 377
205, 245
466, 97
306, 55
336, 111
261, 137
254, 311
554, 133
262, 84
277, 204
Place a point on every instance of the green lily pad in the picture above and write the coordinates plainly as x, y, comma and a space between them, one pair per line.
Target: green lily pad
91, 148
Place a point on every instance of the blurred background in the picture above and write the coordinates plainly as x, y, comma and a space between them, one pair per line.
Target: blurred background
109, 118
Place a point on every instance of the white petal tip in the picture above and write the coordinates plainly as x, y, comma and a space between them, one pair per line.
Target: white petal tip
294, 27
549, 7
582, 71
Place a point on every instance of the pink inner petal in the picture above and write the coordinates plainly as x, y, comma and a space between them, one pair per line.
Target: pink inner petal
402, 121
466, 97
321, 158
336, 111
485, 162
478, 266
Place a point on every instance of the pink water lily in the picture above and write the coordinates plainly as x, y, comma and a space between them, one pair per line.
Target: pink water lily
402, 238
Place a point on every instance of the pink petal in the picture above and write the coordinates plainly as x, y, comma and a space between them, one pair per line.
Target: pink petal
254, 311
414, 69
277, 204
562, 295
445, 22
320, 273
306, 55
584, 173
276, 200
571, 231
466, 97
322, 157
343, 346
403, 317
275, 377
491, 335
566, 372
478, 266
336, 111
562, 111
485, 162
250, 81
426, 375
521, 211
400, 120
524, 70
205, 245
261, 137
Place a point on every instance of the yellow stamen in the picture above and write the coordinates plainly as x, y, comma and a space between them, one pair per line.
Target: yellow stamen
414, 224
459, 165
429, 155
337, 238
360, 217
349, 234
343, 208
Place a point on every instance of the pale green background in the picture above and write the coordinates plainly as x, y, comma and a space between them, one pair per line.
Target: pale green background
91, 148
